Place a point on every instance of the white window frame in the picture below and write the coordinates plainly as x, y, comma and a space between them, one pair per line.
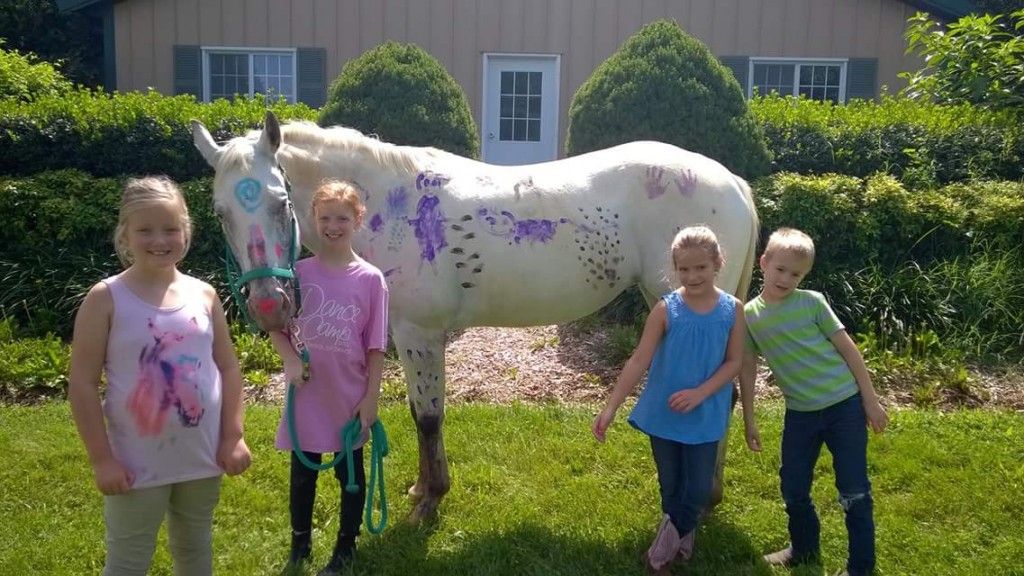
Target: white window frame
250, 52
843, 64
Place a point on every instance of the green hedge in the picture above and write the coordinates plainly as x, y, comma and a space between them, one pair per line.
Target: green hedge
118, 134
57, 243
922, 144
899, 264
889, 258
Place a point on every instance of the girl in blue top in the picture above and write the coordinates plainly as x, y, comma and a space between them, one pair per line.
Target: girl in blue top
692, 344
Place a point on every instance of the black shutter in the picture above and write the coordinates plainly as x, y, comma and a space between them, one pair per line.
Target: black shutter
311, 68
188, 71
740, 66
862, 78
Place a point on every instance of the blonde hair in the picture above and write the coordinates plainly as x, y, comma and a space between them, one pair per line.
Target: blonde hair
342, 191
698, 237
790, 241
143, 192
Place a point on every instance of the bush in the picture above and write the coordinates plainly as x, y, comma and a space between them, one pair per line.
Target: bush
923, 144
120, 134
24, 77
665, 85
979, 59
405, 96
57, 244
31, 368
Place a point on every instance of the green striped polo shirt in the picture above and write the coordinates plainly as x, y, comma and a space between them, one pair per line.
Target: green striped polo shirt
793, 336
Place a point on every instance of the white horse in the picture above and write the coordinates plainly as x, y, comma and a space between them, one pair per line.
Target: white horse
463, 243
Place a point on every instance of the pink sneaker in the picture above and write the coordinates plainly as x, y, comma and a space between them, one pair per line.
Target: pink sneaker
664, 548
686, 545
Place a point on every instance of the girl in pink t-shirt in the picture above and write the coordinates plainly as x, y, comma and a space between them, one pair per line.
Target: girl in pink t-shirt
343, 324
170, 423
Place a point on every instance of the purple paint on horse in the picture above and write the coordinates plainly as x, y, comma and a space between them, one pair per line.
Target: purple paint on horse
429, 227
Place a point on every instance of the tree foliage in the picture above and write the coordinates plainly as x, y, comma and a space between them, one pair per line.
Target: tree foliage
73, 39
979, 59
663, 84
24, 77
404, 95
1000, 6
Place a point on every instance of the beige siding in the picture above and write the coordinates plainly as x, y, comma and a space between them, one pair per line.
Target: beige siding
458, 32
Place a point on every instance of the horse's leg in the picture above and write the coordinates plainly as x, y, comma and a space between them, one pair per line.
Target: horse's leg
422, 353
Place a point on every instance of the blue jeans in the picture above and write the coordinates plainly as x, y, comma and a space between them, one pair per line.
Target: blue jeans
842, 428
685, 475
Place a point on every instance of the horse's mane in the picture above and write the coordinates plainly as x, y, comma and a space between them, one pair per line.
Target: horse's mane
327, 142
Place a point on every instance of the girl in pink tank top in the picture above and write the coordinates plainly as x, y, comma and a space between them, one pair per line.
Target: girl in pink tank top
170, 422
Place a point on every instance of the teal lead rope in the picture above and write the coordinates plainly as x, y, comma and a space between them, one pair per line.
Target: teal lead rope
349, 435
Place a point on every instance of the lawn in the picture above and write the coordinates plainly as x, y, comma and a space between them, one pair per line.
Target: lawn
532, 493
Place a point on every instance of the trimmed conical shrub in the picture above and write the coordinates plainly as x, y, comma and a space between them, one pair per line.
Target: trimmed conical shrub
405, 96
665, 85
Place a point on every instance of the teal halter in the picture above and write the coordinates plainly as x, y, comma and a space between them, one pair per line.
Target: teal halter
238, 279
349, 436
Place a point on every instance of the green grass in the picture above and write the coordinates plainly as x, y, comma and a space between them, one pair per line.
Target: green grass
532, 493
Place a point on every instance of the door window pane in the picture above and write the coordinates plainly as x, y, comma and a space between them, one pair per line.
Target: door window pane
520, 106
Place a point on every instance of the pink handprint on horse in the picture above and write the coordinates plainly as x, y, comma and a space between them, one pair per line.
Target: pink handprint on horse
165, 381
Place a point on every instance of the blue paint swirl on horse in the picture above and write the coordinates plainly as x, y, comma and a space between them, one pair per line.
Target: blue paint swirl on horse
248, 193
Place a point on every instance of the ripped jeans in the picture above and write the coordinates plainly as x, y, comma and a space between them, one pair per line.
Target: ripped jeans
840, 427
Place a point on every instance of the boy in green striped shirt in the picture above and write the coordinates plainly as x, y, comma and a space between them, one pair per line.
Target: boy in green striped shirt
829, 398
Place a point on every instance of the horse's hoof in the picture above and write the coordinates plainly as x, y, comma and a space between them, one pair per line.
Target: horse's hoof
426, 509
416, 493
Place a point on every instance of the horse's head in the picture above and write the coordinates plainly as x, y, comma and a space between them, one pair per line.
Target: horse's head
251, 200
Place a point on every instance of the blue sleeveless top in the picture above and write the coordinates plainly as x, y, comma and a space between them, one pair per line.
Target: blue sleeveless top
691, 350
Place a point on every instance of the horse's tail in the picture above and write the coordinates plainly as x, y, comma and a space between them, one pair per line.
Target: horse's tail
755, 229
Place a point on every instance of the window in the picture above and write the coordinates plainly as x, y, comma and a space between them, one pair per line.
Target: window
815, 79
519, 118
248, 72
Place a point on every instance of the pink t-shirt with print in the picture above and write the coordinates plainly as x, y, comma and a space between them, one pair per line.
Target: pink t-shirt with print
344, 314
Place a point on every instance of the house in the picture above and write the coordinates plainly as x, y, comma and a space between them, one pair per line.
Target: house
519, 61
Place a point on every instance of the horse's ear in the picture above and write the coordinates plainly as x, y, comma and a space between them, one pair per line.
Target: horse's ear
270, 139
205, 143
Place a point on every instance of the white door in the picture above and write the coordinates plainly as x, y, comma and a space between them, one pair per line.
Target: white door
520, 109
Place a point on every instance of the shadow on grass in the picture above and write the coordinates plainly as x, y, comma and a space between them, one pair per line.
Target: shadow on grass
538, 550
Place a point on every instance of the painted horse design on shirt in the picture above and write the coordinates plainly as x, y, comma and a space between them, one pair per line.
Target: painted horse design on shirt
165, 381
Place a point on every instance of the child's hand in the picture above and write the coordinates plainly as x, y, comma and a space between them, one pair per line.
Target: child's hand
293, 371
875, 415
601, 423
753, 436
367, 412
233, 457
112, 477
686, 400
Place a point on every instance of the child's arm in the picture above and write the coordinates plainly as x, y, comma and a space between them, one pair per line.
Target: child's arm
291, 361
367, 409
232, 454
689, 398
88, 352
748, 375
876, 416
634, 369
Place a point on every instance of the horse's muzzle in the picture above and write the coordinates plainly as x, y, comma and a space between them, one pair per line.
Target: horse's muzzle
270, 305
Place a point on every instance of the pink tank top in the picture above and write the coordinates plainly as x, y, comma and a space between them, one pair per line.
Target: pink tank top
163, 396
